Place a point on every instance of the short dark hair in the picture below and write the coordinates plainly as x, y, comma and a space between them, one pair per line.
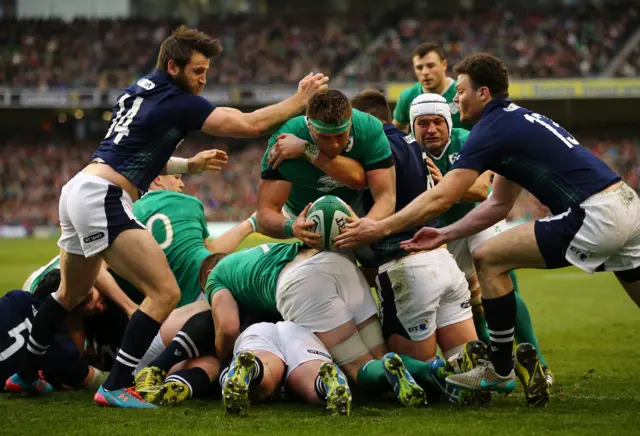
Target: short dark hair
373, 102
428, 47
330, 106
206, 266
487, 70
181, 45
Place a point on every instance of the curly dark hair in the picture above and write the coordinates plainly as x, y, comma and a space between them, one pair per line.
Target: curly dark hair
373, 102
487, 70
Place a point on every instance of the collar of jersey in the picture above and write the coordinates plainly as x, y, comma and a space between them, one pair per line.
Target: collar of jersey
497, 102
452, 83
444, 151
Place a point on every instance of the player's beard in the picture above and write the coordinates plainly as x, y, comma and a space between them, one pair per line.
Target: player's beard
182, 81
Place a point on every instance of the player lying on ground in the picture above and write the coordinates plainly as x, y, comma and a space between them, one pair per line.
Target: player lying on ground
596, 222
323, 152
430, 68
64, 365
149, 121
294, 356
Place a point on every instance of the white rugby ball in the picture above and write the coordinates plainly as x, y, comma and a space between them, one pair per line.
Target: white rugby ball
330, 214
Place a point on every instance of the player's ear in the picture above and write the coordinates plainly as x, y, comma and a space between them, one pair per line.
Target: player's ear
172, 68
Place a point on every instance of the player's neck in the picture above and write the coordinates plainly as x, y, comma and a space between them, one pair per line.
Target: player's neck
442, 87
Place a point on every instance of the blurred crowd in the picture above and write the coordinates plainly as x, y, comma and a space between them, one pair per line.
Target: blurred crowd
107, 53
31, 177
561, 42
572, 41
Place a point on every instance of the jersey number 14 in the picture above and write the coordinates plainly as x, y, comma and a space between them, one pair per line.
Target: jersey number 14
120, 124
553, 127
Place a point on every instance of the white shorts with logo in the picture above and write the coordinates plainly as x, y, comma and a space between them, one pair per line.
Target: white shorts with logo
462, 249
420, 293
602, 234
293, 344
323, 292
93, 212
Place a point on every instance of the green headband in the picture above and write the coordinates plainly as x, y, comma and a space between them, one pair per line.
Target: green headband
323, 127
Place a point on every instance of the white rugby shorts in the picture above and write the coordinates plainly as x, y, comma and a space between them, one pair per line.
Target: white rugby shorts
420, 293
323, 292
293, 344
602, 234
93, 212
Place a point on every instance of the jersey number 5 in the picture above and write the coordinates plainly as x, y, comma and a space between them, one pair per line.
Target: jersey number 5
168, 229
553, 127
16, 333
120, 124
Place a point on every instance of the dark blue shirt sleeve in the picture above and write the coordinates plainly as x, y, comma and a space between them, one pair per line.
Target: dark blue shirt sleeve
479, 153
193, 111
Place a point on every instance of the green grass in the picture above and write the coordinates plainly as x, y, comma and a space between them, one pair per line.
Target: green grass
587, 327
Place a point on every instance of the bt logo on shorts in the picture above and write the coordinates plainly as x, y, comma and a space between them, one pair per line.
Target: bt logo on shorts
93, 238
465, 304
319, 353
422, 327
582, 254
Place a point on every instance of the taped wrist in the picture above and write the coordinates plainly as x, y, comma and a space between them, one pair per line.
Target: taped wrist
177, 165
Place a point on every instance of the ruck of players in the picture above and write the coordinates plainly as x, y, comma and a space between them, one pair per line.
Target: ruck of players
391, 273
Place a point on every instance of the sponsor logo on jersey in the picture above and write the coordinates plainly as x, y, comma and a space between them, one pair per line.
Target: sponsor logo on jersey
511, 107
93, 238
453, 157
319, 353
146, 84
328, 184
409, 139
582, 254
349, 145
453, 108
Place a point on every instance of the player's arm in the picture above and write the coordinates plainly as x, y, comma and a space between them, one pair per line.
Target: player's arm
479, 191
225, 121
494, 209
229, 240
107, 286
382, 184
226, 318
345, 170
272, 195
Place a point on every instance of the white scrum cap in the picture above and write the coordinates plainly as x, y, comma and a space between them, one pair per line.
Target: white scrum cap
429, 104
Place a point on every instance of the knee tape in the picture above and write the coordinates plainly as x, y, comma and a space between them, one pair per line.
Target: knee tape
476, 295
349, 350
371, 335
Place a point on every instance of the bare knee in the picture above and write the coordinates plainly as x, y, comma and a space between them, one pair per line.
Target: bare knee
272, 375
485, 262
164, 296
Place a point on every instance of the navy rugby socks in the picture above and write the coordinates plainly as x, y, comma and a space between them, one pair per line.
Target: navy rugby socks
501, 320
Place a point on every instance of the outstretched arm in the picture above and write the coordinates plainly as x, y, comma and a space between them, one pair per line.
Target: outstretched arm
231, 239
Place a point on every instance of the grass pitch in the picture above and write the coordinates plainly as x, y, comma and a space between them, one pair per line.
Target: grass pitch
588, 330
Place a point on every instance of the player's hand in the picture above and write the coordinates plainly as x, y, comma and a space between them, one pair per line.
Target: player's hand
302, 230
436, 174
312, 84
208, 160
287, 146
359, 232
427, 238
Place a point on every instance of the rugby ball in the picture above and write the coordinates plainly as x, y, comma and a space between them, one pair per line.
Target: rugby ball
329, 213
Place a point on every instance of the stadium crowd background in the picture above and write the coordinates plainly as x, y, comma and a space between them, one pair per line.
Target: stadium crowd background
355, 48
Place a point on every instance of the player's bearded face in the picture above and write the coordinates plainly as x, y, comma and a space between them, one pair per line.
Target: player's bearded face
432, 132
330, 144
468, 99
193, 77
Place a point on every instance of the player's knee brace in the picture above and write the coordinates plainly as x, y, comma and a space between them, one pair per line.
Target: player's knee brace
371, 335
199, 333
349, 350
629, 276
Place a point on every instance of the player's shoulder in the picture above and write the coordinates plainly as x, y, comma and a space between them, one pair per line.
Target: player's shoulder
296, 126
19, 298
364, 123
173, 196
411, 92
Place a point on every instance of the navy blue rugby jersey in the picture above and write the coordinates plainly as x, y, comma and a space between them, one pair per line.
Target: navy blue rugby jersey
536, 153
150, 119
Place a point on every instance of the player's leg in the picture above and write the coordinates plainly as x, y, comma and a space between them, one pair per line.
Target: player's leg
192, 381
311, 374
513, 249
459, 249
257, 369
194, 339
136, 256
78, 274
524, 332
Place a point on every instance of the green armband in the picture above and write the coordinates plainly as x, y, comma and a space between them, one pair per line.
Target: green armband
254, 223
288, 229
